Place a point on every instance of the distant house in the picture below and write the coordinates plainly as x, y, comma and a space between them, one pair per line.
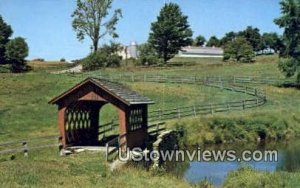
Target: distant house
191, 51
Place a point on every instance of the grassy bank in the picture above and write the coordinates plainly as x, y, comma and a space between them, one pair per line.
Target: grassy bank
45, 168
249, 178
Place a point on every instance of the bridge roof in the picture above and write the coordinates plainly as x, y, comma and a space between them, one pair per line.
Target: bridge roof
116, 90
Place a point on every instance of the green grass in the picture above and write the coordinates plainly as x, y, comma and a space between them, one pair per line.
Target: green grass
45, 168
249, 178
25, 112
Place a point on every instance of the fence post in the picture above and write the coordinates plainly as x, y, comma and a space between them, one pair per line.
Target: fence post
243, 105
194, 108
228, 107
159, 114
106, 151
111, 125
25, 149
178, 112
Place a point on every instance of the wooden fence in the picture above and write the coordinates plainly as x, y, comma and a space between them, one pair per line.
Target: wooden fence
34, 143
192, 79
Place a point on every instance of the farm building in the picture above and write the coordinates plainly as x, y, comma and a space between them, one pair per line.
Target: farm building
79, 111
191, 51
129, 51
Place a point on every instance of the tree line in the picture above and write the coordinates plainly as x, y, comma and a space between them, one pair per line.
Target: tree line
12, 51
168, 34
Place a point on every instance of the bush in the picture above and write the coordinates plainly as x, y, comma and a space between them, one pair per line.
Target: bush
104, 57
62, 60
148, 56
239, 50
39, 59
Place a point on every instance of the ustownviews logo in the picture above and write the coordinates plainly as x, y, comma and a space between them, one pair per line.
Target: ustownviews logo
137, 154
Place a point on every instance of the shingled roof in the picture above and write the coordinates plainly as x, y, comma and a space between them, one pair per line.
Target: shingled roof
120, 91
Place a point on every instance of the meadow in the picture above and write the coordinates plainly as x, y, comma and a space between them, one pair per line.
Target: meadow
25, 112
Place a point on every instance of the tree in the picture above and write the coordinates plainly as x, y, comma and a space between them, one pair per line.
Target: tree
271, 40
199, 40
289, 21
5, 33
213, 42
253, 36
239, 50
106, 56
228, 38
89, 19
15, 52
170, 32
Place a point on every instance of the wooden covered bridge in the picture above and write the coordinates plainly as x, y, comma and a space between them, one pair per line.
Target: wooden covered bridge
79, 110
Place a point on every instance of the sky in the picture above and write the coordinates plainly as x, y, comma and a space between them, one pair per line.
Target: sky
46, 24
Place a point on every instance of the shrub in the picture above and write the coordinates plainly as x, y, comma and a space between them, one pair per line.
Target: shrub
39, 59
62, 60
104, 57
147, 55
239, 50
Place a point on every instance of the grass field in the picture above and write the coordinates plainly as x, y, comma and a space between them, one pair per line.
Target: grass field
24, 112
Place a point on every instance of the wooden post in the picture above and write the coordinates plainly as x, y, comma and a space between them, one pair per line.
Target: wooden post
159, 114
106, 151
25, 149
178, 112
60, 147
243, 105
194, 108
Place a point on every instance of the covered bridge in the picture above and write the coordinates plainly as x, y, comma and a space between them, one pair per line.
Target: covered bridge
79, 111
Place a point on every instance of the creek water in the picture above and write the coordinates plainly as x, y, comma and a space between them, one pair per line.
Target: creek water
217, 171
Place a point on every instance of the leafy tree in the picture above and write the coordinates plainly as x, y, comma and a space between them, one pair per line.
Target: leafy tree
170, 32
89, 19
213, 42
5, 33
271, 40
147, 55
228, 38
15, 52
106, 56
239, 50
253, 36
289, 21
199, 40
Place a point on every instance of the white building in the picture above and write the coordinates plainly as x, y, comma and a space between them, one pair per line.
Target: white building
129, 51
192, 51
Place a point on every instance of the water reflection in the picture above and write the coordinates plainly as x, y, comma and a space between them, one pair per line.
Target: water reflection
216, 172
